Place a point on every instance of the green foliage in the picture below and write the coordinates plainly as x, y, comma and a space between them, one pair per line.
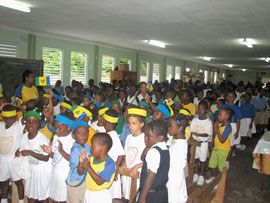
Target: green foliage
78, 66
107, 67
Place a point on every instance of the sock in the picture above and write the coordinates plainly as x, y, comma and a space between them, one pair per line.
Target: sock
4, 200
21, 201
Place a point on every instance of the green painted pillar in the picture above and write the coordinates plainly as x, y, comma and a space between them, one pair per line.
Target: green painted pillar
31, 46
97, 69
138, 67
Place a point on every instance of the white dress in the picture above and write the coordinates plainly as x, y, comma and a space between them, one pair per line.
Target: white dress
38, 186
11, 140
134, 147
60, 168
177, 191
116, 151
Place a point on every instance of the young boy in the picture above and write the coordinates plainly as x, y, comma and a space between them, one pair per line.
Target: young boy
100, 169
116, 152
76, 182
11, 136
186, 102
156, 163
222, 143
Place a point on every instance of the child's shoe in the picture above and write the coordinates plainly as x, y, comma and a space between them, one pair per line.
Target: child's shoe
200, 180
195, 178
209, 180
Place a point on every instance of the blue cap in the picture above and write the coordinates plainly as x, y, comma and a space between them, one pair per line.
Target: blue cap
79, 124
64, 120
164, 110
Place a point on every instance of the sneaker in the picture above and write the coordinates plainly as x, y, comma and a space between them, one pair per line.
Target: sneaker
227, 165
243, 147
238, 146
209, 180
195, 178
200, 180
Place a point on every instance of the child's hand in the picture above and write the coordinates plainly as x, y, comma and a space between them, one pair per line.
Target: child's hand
86, 163
60, 146
134, 169
18, 153
83, 155
50, 94
47, 149
26, 152
216, 126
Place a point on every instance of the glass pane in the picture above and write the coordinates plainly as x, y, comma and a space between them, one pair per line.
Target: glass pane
78, 66
107, 67
177, 73
169, 73
156, 70
144, 69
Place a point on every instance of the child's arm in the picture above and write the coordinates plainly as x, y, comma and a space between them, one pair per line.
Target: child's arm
86, 165
222, 137
200, 134
40, 157
80, 169
120, 160
62, 151
47, 149
147, 186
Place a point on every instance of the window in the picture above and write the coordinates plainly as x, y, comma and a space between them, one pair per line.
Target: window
215, 77
126, 61
211, 76
223, 75
144, 71
169, 73
78, 66
205, 76
53, 63
156, 70
8, 50
107, 67
178, 73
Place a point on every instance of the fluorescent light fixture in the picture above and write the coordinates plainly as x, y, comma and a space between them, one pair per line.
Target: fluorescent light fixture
156, 43
267, 59
244, 70
206, 58
17, 5
200, 70
248, 42
229, 65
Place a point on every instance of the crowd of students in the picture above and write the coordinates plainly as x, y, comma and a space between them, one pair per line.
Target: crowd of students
71, 144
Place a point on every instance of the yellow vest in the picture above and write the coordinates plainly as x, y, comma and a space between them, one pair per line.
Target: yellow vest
225, 145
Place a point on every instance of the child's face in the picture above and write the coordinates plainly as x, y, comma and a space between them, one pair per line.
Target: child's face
30, 79
86, 102
9, 121
97, 98
150, 139
219, 104
201, 111
63, 109
61, 129
184, 97
96, 148
46, 113
45, 101
247, 97
32, 124
200, 94
116, 107
157, 115
173, 127
230, 98
143, 87
132, 90
81, 135
223, 116
134, 124
122, 95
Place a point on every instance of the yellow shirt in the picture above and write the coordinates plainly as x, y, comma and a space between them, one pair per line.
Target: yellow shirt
225, 145
92, 132
45, 130
29, 93
105, 169
191, 107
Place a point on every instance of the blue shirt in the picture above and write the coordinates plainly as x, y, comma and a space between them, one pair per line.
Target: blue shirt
227, 131
260, 103
236, 112
124, 134
75, 159
247, 110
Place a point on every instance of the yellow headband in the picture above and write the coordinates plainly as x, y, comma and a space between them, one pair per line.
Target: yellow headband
110, 118
9, 113
66, 105
171, 111
136, 111
102, 111
46, 95
79, 110
169, 102
17, 99
184, 112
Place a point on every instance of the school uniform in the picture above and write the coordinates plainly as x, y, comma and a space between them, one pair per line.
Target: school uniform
261, 117
100, 193
248, 113
60, 168
116, 151
38, 186
157, 160
177, 190
134, 147
11, 140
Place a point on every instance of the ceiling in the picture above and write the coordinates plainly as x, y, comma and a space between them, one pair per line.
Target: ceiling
192, 28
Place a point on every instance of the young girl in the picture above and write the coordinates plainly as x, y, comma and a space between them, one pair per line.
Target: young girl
37, 188
59, 151
177, 191
201, 130
98, 124
134, 146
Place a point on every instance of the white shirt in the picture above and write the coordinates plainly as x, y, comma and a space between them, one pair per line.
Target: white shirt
11, 139
134, 147
153, 157
201, 127
117, 148
132, 100
97, 128
178, 154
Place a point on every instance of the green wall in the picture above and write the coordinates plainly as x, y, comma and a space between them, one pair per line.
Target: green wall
30, 46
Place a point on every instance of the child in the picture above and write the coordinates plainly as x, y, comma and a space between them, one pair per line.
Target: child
116, 152
132, 96
186, 98
37, 188
11, 135
100, 169
248, 115
199, 97
177, 191
59, 151
201, 130
156, 162
134, 145
219, 103
162, 112
65, 106
98, 124
76, 182
222, 143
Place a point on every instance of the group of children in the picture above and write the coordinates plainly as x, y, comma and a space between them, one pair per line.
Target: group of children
73, 144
